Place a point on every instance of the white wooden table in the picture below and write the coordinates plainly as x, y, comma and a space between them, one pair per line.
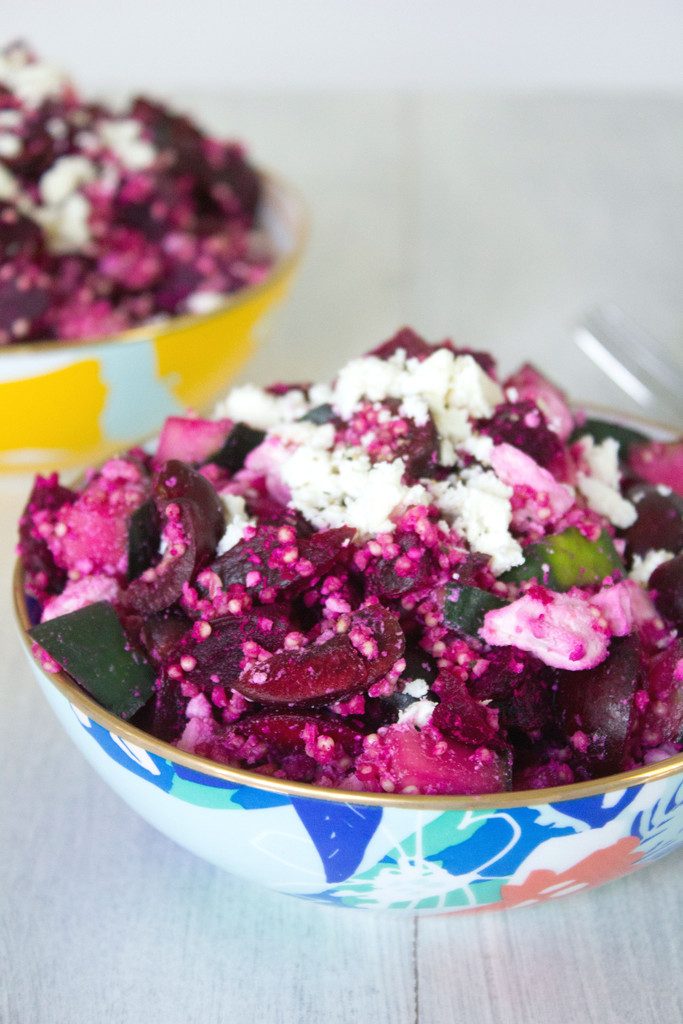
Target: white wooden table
497, 220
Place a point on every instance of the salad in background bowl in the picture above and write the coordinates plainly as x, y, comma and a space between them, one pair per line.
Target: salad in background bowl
140, 254
410, 640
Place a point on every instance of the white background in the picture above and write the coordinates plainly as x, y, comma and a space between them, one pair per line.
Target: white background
228, 44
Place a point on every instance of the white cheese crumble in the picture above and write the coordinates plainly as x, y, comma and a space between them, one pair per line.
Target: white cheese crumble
237, 520
478, 504
644, 566
66, 224
64, 177
33, 82
123, 136
452, 388
416, 688
600, 485
261, 410
9, 186
10, 145
341, 487
418, 714
201, 303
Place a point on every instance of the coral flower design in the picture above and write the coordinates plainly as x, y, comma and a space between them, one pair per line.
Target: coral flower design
601, 866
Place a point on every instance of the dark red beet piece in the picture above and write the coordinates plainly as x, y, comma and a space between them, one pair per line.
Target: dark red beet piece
661, 719
523, 425
42, 575
218, 657
385, 634
161, 633
598, 704
667, 582
184, 495
267, 555
282, 732
415, 347
519, 686
19, 235
319, 674
24, 298
659, 523
462, 717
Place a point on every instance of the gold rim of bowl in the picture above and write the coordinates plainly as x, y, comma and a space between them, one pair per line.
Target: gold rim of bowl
501, 801
278, 191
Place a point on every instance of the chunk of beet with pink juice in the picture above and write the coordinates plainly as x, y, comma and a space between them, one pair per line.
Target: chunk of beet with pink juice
278, 558
42, 574
659, 462
660, 521
661, 714
403, 759
191, 439
318, 674
530, 384
596, 709
210, 654
186, 500
667, 583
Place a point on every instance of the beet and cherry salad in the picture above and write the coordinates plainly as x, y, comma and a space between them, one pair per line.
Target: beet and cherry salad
417, 579
110, 219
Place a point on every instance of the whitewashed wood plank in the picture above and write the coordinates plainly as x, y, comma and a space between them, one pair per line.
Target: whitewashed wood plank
605, 957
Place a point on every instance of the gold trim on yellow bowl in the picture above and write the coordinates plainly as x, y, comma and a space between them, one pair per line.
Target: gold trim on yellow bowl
274, 187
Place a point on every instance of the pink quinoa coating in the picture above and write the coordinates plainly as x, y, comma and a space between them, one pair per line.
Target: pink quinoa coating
358, 585
109, 218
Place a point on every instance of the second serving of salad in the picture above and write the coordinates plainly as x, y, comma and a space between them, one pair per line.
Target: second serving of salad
418, 579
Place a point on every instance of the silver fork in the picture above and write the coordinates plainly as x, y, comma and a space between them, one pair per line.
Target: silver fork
634, 360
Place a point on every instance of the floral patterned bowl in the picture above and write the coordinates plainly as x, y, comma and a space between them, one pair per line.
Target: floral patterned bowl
71, 403
377, 851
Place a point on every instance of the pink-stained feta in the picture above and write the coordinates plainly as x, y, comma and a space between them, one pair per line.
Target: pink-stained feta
538, 499
79, 593
529, 383
561, 630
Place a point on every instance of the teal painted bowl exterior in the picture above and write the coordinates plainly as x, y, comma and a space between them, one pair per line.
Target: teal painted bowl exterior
423, 855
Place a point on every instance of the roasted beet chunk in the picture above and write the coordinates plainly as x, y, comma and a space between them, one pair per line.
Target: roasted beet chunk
376, 634
523, 425
459, 715
412, 344
19, 235
660, 520
667, 583
295, 745
277, 559
596, 709
318, 674
193, 522
24, 297
43, 575
210, 654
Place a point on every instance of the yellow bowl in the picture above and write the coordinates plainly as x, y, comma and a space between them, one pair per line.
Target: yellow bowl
64, 404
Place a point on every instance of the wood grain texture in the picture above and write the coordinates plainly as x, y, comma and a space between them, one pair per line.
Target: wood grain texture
494, 219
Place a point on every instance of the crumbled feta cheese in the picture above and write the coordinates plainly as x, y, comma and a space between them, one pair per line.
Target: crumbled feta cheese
10, 145
123, 137
417, 688
644, 566
201, 303
342, 488
257, 407
66, 224
479, 506
600, 485
32, 81
480, 447
418, 714
64, 177
606, 501
9, 186
236, 518
602, 459
452, 388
